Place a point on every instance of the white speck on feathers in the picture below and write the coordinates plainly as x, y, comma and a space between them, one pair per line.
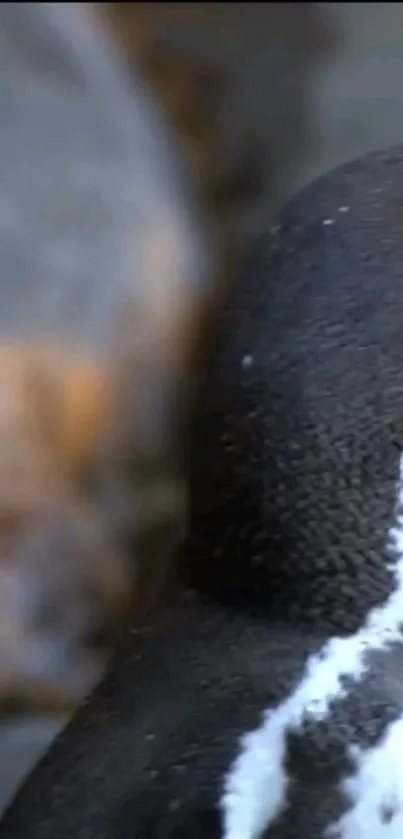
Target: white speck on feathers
327, 222
255, 789
247, 361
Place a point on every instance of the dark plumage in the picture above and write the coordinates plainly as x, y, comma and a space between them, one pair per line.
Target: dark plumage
296, 518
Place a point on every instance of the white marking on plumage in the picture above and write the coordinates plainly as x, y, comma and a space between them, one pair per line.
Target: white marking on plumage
255, 790
375, 791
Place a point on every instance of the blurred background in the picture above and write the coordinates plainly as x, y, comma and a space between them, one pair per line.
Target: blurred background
359, 102
358, 107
